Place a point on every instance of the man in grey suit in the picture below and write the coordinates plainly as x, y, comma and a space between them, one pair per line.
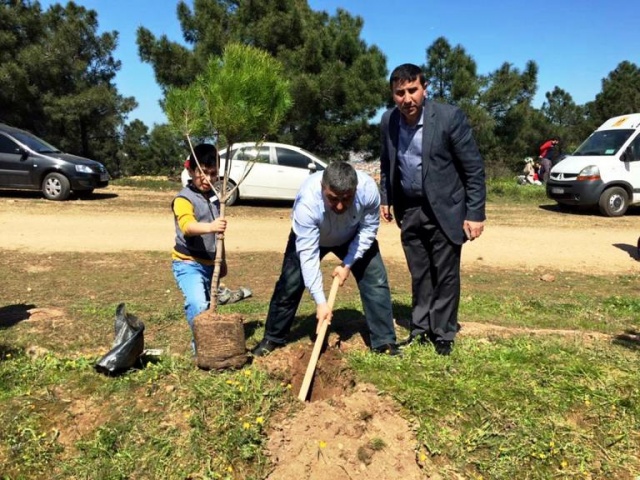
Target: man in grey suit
432, 174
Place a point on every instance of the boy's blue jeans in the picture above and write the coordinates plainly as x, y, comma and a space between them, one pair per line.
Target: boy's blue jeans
194, 279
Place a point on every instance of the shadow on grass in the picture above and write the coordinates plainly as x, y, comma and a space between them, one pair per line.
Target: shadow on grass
629, 339
14, 314
7, 351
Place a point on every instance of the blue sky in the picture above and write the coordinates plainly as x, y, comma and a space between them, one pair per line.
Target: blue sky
575, 43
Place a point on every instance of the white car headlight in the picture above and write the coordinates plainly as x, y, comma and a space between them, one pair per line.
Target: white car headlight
83, 169
591, 172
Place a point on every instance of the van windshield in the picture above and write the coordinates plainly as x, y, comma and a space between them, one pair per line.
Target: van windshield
34, 143
603, 142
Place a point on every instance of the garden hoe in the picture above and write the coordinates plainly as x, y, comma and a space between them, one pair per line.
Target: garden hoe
315, 354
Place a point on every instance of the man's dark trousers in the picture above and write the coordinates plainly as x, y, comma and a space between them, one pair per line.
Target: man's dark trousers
434, 263
370, 275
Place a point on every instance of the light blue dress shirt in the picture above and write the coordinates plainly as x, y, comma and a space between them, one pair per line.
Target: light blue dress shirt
410, 158
316, 225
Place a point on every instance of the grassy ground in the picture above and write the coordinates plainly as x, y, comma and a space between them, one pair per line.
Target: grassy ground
547, 387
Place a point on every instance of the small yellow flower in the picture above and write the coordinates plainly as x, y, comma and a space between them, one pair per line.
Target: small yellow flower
247, 373
587, 402
246, 425
563, 464
241, 388
552, 444
229, 469
322, 444
229, 382
259, 420
423, 457
288, 386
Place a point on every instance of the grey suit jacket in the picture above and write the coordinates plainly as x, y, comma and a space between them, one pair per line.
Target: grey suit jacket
453, 178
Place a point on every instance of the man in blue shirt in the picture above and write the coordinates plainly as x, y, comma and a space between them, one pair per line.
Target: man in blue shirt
338, 211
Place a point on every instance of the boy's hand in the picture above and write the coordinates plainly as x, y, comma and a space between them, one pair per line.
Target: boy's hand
219, 225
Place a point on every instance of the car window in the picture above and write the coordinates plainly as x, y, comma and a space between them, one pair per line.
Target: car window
291, 158
8, 146
260, 155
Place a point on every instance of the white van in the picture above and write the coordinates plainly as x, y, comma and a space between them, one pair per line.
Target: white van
603, 171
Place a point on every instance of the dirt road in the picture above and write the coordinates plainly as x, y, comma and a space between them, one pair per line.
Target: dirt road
546, 239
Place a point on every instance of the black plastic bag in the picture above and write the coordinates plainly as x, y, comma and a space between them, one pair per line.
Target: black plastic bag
127, 346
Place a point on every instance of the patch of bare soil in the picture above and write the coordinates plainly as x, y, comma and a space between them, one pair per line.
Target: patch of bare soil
359, 435
345, 431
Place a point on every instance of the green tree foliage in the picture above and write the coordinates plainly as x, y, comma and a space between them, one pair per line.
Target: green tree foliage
452, 73
564, 119
56, 77
242, 94
620, 94
338, 81
167, 150
507, 99
135, 148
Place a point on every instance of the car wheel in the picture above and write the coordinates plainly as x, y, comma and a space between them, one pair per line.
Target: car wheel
614, 202
55, 186
230, 185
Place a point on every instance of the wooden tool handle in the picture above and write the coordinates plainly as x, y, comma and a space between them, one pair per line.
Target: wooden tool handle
315, 354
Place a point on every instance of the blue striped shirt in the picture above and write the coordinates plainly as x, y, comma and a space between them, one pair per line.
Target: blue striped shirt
410, 158
316, 225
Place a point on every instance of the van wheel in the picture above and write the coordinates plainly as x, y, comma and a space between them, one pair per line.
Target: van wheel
55, 186
614, 202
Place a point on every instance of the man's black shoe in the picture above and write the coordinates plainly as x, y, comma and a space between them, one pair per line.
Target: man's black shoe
417, 339
388, 349
444, 347
265, 347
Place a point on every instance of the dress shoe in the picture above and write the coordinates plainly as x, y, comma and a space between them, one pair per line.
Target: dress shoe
444, 347
387, 349
417, 339
265, 347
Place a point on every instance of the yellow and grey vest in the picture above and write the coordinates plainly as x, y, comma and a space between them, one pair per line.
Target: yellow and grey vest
206, 209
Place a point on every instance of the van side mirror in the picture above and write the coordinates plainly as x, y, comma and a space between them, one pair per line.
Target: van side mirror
312, 167
628, 155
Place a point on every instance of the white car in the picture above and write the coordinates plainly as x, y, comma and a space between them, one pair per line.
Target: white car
277, 173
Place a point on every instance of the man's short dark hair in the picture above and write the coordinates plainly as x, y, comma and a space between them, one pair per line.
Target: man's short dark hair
407, 72
340, 177
206, 154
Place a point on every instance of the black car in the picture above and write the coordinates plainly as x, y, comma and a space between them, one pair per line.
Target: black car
29, 163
